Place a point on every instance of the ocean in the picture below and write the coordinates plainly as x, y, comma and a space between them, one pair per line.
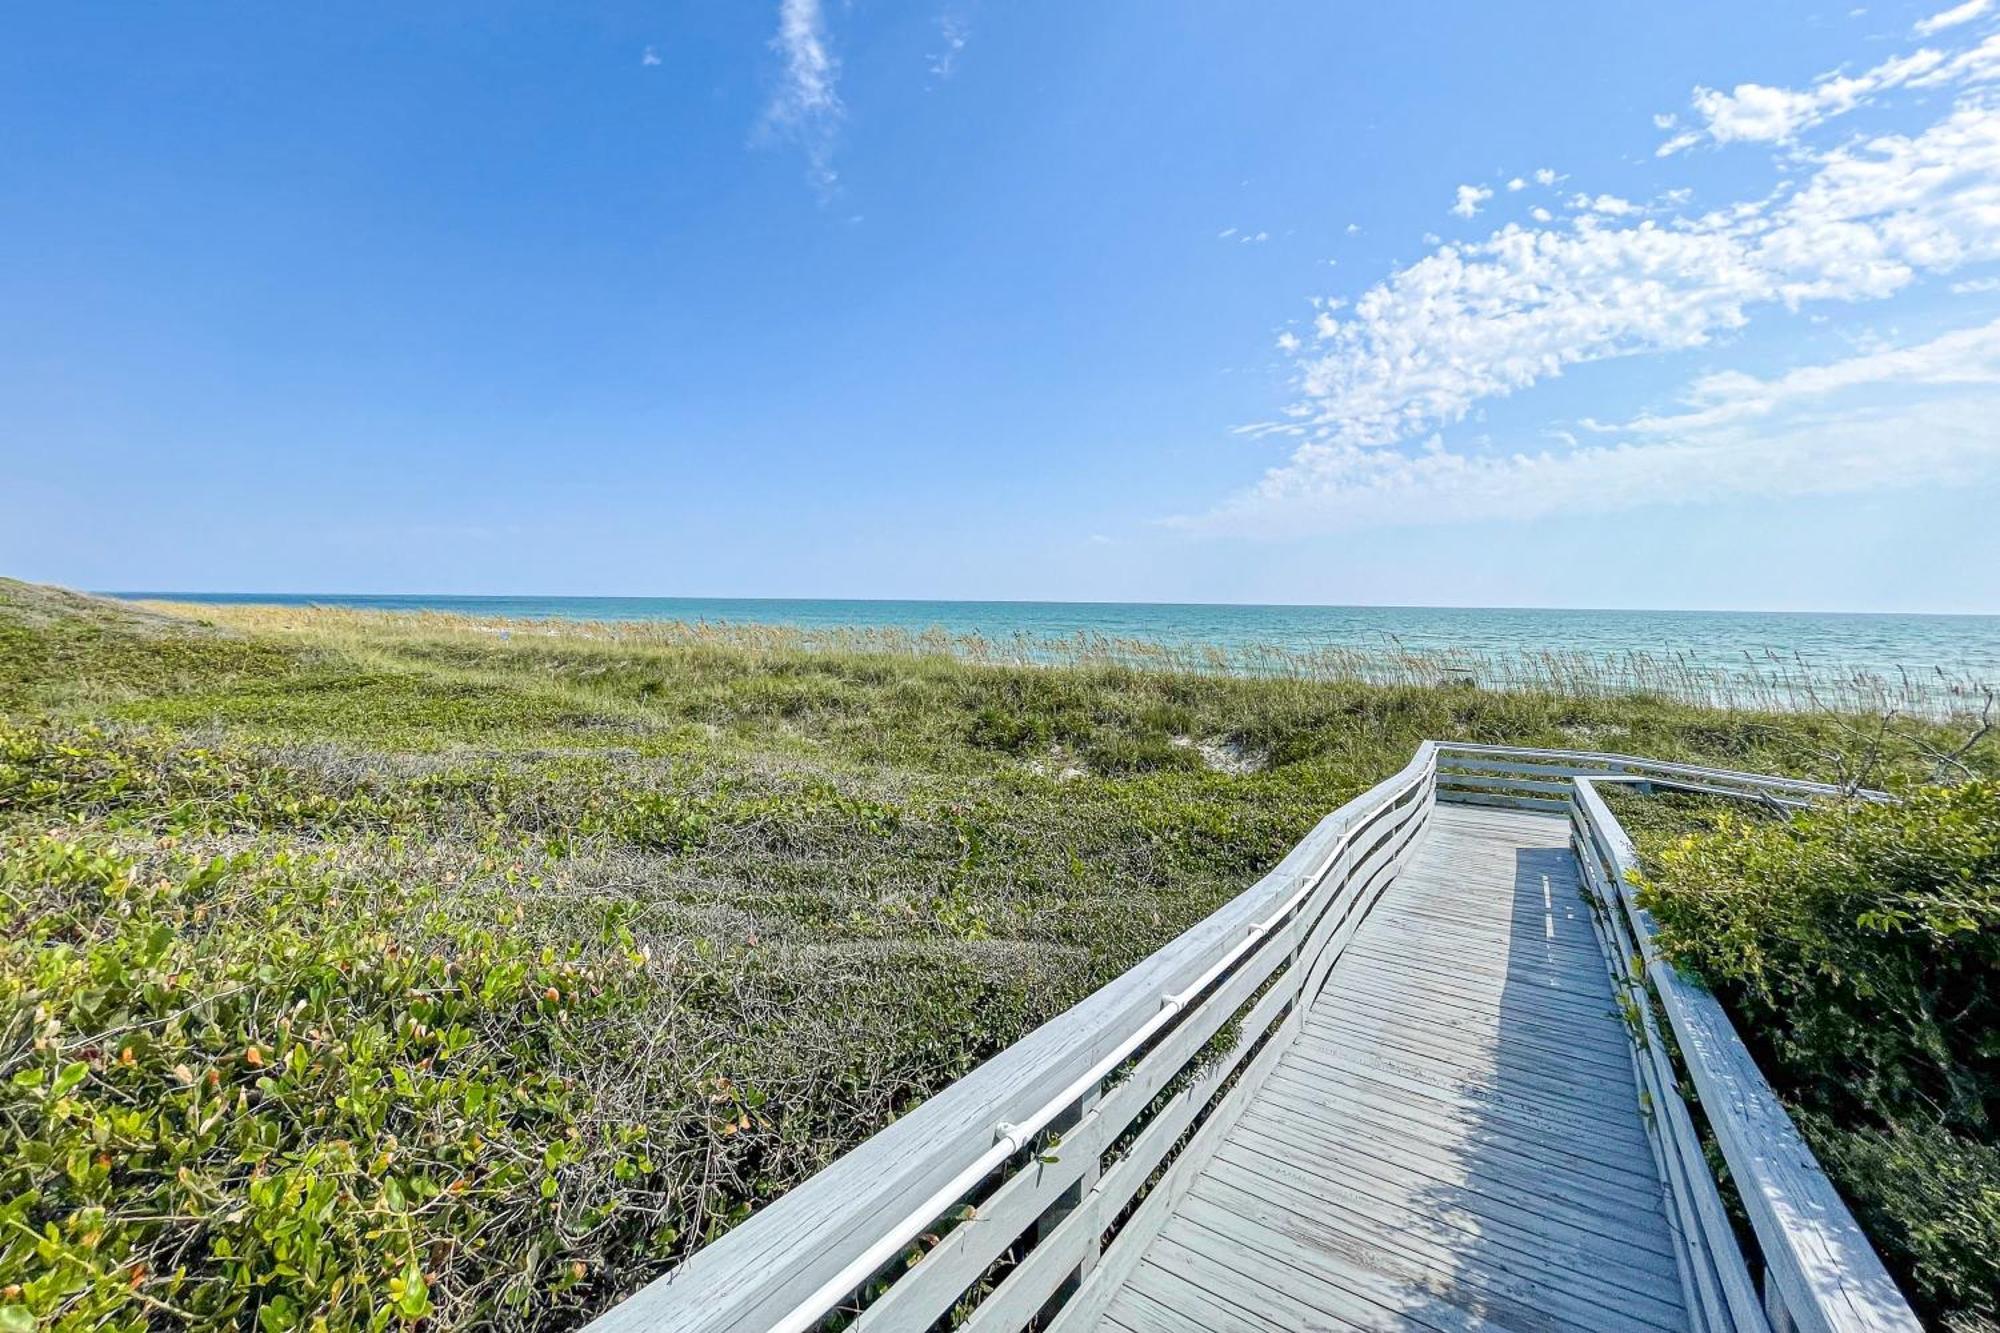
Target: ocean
1960, 648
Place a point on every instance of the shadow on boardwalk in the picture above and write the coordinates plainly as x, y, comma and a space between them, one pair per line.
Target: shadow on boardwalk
1454, 1141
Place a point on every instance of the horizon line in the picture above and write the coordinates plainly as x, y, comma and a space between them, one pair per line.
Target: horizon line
163, 595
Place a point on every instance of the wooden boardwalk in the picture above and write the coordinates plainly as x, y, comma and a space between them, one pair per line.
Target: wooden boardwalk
1454, 1140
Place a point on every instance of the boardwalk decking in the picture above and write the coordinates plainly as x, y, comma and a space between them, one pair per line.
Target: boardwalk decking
1454, 1141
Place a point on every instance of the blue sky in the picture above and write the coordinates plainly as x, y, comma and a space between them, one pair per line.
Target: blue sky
1113, 301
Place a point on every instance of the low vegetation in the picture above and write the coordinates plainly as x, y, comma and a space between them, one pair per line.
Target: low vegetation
1858, 948
361, 971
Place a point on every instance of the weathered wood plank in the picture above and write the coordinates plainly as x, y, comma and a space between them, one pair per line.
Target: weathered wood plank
1476, 1272
1455, 1134
1438, 1124
1830, 1277
1374, 1183
1369, 1111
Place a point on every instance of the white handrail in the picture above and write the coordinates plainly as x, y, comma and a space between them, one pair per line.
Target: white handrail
1587, 762
1013, 1138
1820, 1268
795, 1261
833, 1223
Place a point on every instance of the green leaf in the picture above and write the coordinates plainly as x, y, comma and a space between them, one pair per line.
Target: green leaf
415, 1302
69, 1076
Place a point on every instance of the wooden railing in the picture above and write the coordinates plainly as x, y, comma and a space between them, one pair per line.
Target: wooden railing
1820, 1274
1079, 1132
1540, 779
1024, 1193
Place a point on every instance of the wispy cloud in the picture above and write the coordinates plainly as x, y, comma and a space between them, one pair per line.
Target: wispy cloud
1493, 317
1424, 348
1951, 18
1963, 357
1337, 487
1762, 113
806, 107
649, 57
953, 31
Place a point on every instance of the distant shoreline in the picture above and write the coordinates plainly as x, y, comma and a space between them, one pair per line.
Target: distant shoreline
1965, 648
1908, 665
444, 601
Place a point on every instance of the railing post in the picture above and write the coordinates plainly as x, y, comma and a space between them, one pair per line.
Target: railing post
1068, 1202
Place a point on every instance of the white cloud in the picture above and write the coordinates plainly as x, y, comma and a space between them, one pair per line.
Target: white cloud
1225, 233
1330, 487
649, 57
1610, 205
1516, 185
1951, 18
1965, 357
1975, 286
1354, 229
1489, 318
807, 106
1761, 113
953, 31
1422, 348
1546, 176
1288, 341
1541, 214
1470, 197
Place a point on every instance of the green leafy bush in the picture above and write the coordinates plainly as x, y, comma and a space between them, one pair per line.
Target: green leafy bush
1858, 949
781, 894
234, 1090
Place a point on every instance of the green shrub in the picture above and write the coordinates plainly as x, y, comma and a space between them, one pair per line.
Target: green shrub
996, 727
234, 1092
1862, 943
1858, 949
1931, 1200
369, 845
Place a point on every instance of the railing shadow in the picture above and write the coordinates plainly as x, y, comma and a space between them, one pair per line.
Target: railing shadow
1549, 1185
1467, 1148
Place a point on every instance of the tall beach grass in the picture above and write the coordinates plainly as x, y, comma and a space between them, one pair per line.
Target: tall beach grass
1770, 681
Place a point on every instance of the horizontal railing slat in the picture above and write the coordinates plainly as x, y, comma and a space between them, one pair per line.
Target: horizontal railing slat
1123, 1179
1720, 1288
1452, 753
757, 1274
1543, 804
1287, 930
1502, 783
1830, 1277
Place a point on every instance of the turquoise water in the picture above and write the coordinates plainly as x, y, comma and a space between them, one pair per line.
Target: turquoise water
1964, 648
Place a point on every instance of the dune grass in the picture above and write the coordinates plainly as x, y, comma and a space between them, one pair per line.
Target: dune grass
370, 969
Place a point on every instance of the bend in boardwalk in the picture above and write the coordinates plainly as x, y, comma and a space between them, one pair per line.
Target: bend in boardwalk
1454, 1140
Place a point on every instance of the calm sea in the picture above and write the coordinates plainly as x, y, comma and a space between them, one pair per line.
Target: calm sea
1966, 648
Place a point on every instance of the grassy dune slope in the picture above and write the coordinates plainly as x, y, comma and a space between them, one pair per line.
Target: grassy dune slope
368, 969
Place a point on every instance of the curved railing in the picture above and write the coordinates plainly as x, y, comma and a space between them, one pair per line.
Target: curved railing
1078, 1131
1023, 1193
